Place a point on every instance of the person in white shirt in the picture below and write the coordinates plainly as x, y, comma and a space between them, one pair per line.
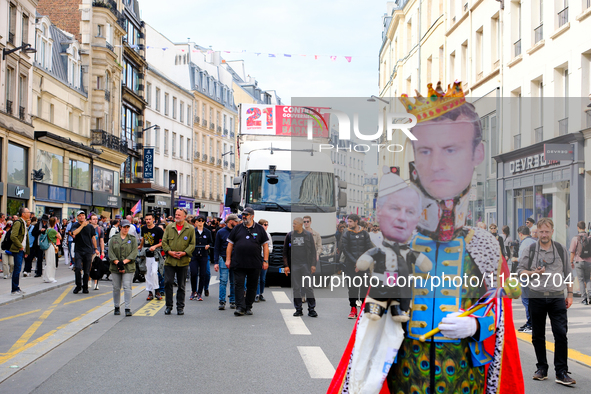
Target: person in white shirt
376, 235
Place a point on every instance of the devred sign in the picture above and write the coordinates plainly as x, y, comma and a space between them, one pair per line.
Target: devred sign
283, 120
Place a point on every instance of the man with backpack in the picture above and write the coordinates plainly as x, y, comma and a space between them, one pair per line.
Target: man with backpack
547, 266
18, 244
580, 257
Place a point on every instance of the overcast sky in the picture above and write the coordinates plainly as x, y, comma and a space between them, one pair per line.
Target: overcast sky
303, 27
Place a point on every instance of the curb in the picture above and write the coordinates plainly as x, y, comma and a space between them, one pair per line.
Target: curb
28, 356
36, 290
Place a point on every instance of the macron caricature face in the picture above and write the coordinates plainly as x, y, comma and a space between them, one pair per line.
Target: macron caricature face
399, 214
445, 156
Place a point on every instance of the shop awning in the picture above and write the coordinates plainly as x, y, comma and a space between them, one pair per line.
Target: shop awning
66, 143
143, 188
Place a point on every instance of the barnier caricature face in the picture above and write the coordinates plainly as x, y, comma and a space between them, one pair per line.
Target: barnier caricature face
398, 214
445, 156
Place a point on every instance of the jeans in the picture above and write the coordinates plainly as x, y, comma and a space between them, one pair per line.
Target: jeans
555, 309
169, 274
18, 262
583, 269
207, 274
224, 274
82, 262
125, 280
261, 284
525, 302
198, 269
297, 273
251, 275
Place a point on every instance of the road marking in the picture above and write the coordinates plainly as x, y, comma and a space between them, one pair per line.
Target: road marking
35, 326
22, 314
572, 354
295, 325
214, 280
318, 365
281, 297
9, 355
152, 307
87, 298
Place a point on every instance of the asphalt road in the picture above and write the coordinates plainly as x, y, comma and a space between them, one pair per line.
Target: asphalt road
204, 351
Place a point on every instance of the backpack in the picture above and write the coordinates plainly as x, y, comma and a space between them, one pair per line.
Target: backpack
584, 246
532, 252
7, 243
43, 241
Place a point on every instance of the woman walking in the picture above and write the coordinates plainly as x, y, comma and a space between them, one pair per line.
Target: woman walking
122, 254
50, 254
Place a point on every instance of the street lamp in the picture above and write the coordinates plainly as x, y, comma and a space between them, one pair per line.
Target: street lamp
373, 98
227, 153
25, 48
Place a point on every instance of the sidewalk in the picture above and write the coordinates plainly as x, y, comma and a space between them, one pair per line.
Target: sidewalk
32, 286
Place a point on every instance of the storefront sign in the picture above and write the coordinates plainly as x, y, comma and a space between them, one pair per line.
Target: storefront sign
529, 163
148, 163
105, 200
18, 191
163, 203
559, 152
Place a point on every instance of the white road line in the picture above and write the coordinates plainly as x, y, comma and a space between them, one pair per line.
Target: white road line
295, 325
214, 280
281, 297
318, 365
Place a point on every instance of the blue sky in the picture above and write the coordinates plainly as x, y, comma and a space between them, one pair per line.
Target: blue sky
322, 27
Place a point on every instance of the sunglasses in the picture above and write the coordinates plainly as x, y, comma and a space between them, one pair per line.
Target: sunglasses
245, 215
306, 221
266, 224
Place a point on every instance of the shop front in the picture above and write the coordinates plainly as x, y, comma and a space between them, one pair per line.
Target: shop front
17, 196
531, 186
63, 202
106, 197
160, 206
185, 202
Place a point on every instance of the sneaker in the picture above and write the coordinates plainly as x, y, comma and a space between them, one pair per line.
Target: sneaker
541, 375
117, 311
239, 312
353, 314
585, 302
222, 306
232, 305
158, 296
524, 328
564, 379
76, 290
150, 296
312, 313
128, 312
198, 297
96, 286
85, 291
5, 276
261, 298
25, 274
55, 281
248, 312
298, 313
192, 296
17, 293
256, 298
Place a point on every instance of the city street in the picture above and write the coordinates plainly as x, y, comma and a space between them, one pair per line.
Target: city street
55, 338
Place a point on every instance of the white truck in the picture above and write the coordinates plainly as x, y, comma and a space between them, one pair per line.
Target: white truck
283, 177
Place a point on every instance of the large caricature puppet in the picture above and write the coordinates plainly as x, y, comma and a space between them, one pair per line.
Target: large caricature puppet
473, 354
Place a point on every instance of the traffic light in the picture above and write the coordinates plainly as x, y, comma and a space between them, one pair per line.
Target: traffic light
172, 180
395, 170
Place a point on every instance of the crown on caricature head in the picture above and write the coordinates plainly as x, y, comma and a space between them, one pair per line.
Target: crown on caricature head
436, 103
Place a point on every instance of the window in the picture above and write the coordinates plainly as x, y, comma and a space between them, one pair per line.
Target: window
479, 53
17, 164
157, 139
103, 180
165, 178
203, 144
188, 149
181, 146
131, 76
158, 99
210, 115
12, 24
188, 185
148, 134
495, 36
166, 104
182, 112
464, 61
189, 120
149, 94
79, 175
173, 144
174, 107
210, 147
225, 116
52, 113
203, 112
166, 142
9, 89
100, 30
25, 29
129, 124
157, 176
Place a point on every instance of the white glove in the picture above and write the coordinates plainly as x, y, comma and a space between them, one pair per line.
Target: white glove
455, 327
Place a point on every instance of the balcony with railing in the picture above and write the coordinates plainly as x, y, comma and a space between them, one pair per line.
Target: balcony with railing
204, 158
231, 134
225, 164
110, 47
196, 155
219, 162
212, 160
110, 4
102, 138
211, 196
219, 129
516, 141
538, 33
563, 17
197, 120
517, 48
211, 126
232, 166
225, 134
9, 107
21, 113
539, 134
204, 123
11, 38
563, 126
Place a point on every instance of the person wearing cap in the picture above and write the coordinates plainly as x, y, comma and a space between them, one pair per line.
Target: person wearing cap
219, 256
243, 255
178, 243
85, 247
40, 228
122, 254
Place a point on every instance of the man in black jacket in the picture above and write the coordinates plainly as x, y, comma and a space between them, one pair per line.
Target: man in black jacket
355, 242
39, 229
299, 259
198, 265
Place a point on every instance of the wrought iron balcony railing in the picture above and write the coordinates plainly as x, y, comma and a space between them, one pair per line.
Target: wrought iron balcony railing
538, 34
9, 107
517, 48
102, 138
563, 17
563, 126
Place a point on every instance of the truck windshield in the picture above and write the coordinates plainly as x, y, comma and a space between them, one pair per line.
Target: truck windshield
295, 191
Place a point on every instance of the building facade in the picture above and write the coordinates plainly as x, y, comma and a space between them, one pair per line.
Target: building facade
370, 196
